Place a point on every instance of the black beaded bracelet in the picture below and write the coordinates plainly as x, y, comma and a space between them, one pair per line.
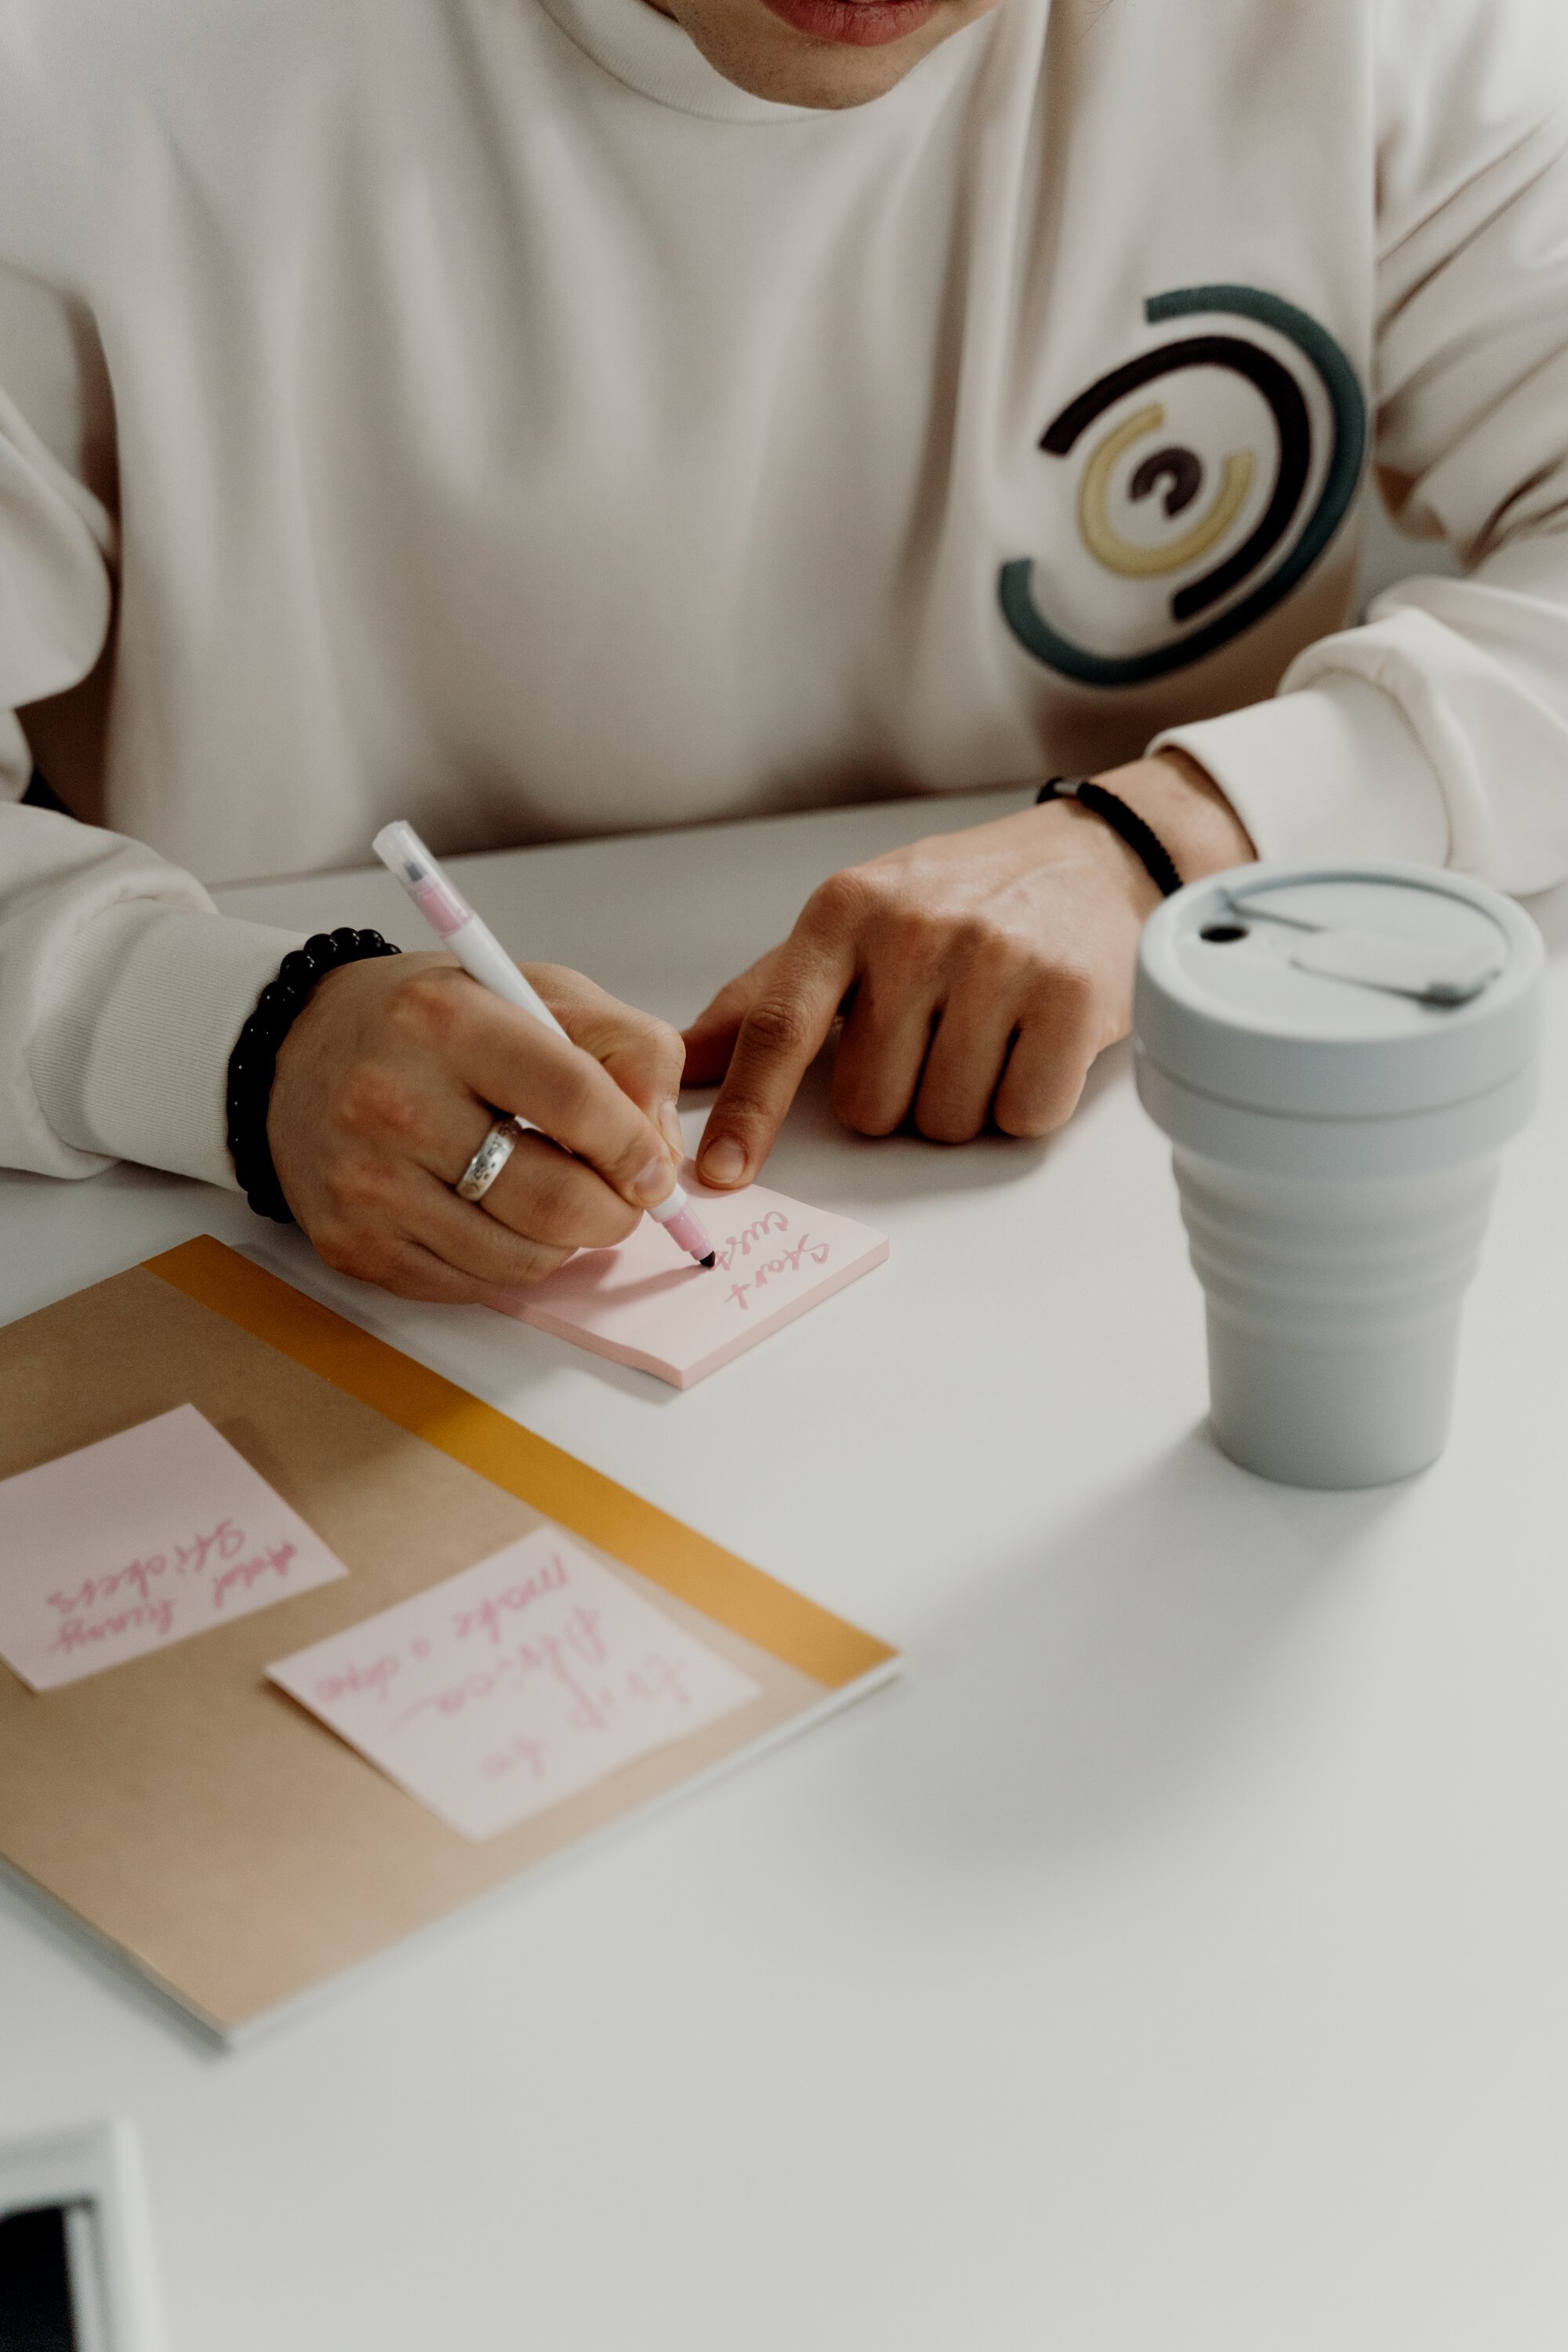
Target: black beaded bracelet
254, 1061
1142, 839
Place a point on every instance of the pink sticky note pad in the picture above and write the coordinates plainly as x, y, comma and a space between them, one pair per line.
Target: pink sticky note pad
513, 1683
137, 1542
646, 1303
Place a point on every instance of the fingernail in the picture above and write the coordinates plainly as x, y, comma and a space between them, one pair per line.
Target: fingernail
669, 1128
651, 1183
724, 1163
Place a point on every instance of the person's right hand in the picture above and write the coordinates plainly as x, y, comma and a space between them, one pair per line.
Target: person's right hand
386, 1084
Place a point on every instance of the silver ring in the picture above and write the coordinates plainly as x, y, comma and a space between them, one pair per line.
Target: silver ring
489, 1160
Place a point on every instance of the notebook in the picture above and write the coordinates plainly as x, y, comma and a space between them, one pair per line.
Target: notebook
290, 1856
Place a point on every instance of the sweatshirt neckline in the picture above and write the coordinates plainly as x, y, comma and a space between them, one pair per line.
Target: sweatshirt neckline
649, 53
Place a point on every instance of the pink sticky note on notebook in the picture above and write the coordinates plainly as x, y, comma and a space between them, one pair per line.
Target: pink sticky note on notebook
137, 1542
646, 1303
513, 1683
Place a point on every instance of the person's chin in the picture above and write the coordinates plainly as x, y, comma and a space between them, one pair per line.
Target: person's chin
817, 53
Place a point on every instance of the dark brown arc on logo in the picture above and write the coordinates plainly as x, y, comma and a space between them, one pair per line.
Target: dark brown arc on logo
1284, 396
1181, 470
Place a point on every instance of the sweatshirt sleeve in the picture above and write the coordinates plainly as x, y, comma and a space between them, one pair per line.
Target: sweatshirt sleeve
121, 993
122, 989
1438, 728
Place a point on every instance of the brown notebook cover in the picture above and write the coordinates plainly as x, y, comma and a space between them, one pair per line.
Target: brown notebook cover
187, 1812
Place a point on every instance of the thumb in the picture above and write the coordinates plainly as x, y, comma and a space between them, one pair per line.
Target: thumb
711, 1038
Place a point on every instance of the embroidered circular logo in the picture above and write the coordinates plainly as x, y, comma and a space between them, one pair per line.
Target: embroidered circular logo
1311, 490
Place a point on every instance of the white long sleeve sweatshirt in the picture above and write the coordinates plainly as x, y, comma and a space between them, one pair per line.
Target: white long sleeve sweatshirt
478, 411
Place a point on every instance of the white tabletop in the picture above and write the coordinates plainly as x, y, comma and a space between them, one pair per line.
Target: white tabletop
1175, 1961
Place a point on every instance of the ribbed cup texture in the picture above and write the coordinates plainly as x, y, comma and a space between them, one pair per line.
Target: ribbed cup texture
1333, 1315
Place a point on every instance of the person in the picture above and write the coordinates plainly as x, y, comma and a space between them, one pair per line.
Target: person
546, 417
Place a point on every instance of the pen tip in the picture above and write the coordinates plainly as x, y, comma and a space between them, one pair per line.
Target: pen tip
711, 1259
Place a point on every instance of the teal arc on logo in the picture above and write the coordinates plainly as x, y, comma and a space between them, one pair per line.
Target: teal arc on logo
1347, 457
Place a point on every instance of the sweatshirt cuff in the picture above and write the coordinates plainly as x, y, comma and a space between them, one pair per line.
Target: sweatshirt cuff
1330, 770
133, 1062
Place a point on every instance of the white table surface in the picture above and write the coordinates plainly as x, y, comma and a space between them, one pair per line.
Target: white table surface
1176, 1961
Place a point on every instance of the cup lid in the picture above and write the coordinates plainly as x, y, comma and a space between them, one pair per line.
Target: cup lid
1338, 991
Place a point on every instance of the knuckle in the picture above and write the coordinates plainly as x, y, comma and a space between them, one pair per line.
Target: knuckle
370, 1101
996, 949
534, 1260
407, 1275
1073, 992
563, 1213
867, 1117
356, 1193
914, 941
668, 1048
647, 1029
1025, 1121
844, 901
861, 1104
548, 1213
424, 1009
776, 1026
1041, 1096
349, 1248
943, 1123
557, 983
658, 1049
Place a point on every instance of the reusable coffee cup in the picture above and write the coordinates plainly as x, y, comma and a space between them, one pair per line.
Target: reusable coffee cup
1338, 1055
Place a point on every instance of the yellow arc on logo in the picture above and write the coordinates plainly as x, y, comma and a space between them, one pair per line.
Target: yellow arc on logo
1120, 555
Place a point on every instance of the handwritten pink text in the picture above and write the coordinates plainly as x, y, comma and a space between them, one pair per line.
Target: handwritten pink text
151, 1588
789, 1262
487, 1615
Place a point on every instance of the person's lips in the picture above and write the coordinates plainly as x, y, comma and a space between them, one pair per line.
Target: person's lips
862, 23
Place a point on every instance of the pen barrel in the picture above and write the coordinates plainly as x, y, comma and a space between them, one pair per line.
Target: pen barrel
484, 959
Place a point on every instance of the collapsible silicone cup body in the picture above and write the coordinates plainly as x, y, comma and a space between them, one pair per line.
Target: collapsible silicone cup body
1333, 1291
1333, 1315
1335, 1248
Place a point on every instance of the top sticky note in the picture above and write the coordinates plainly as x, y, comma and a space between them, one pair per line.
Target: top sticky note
137, 1542
644, 1303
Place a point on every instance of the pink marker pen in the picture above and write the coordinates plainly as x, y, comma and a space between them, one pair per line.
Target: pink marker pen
484, 959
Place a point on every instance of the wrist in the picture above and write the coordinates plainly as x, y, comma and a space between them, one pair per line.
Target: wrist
1155, 869
253, 1064
1183, 804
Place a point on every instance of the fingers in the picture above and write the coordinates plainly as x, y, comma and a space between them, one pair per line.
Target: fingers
465, 1236
406, 1229
503, 1056
451, 1253
710, 1041
965, 1065
1011, 1043
1056, 1042
405, 1269
1011, 1052
548, 1199
643, 1054
882, 1051
780, 1035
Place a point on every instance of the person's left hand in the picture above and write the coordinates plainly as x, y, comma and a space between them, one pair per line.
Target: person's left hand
979, 974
